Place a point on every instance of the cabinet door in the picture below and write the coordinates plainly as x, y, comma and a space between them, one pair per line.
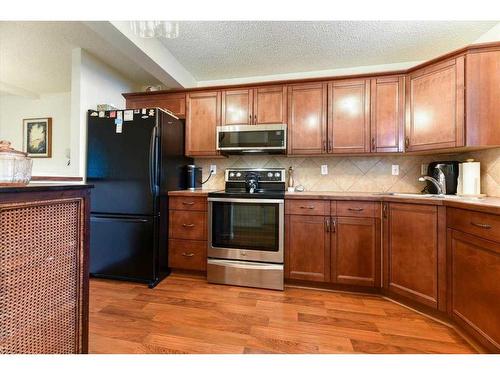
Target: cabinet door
307, 128
203, 117
349, 120
175, 102
237, 107
387, 114
269, 105
307, 248
435, 112
475, 286
411, 252
356, 255
483, 91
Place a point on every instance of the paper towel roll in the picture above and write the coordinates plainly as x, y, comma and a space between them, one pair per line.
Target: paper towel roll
471, 178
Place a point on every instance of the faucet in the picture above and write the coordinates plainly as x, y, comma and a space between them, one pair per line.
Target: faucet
440, 183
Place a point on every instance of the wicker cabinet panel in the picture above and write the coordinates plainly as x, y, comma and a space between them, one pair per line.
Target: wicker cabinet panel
41, 276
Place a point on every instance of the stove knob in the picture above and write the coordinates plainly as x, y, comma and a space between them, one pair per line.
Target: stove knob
277, 174
238, 174
231, 174
270, 174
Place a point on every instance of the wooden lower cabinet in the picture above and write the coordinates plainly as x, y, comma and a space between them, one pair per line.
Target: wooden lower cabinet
187, 254
355, 258
415, 252
474, 287
307, 248
344, 250
187, 242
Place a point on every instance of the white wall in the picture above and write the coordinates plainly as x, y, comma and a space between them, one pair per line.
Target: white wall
13, 109
92, 83
492, 35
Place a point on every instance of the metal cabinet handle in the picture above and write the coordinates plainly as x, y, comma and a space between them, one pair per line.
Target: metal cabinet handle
254, 119
407, 142
249, 118
483, 226
188, 225
357, 209
330, 148
188, 203
327, 224
334, 225
324, 146
373, 144
189, 255
307, 207
384, 210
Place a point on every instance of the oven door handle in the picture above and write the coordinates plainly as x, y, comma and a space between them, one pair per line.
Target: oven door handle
246, 200
245, 264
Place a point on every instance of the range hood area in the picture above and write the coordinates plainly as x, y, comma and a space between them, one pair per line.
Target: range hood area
254, 139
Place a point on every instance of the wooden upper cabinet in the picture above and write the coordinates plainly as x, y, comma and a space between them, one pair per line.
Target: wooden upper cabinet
237, 106
482, 98
411, 252
435, 106
269, 105
349, 116
175, 102
307, 126
387, 114
260, 105
202, 118
307, 248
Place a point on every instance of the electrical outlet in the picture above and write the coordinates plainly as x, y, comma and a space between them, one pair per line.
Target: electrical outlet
213, 168
395, 170
324, 169
423, 169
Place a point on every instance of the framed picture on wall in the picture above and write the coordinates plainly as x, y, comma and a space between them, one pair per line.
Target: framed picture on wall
37, 135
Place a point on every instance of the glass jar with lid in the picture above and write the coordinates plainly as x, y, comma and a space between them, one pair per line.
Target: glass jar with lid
15, 166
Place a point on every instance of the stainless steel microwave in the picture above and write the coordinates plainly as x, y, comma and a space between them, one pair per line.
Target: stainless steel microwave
238, 139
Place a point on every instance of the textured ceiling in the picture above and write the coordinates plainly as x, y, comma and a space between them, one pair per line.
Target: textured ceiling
213, 50
36, 56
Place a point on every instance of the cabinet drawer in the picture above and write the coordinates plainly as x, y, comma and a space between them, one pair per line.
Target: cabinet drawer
187, 255
188, 203
307, 207
188, 225
357, 209
476, 223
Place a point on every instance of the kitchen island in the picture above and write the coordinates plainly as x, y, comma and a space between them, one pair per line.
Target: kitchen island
44, 268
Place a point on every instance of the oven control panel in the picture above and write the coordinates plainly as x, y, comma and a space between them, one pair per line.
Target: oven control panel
264, 174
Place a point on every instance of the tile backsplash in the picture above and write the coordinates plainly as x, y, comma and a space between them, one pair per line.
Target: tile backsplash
357, 173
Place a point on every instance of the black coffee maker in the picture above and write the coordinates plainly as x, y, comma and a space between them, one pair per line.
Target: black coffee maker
193, 177
450, 170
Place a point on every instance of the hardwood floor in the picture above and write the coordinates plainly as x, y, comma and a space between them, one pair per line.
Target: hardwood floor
185, 314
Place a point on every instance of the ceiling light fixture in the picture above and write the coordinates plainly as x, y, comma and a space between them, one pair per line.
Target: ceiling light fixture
155, 29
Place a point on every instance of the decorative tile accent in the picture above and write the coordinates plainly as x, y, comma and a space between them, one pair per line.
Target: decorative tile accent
357, 173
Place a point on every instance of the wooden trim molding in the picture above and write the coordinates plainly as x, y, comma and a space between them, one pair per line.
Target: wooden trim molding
55, 178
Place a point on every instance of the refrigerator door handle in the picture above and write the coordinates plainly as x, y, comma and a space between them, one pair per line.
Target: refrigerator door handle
152, 161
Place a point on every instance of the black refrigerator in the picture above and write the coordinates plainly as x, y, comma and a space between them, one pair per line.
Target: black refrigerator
134, 157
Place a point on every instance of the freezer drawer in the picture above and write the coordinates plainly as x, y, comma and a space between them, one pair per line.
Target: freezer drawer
123, 247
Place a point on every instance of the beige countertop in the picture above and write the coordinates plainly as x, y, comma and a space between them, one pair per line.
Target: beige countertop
486, 204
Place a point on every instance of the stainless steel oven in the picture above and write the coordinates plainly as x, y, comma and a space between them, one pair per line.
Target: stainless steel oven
246, 229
